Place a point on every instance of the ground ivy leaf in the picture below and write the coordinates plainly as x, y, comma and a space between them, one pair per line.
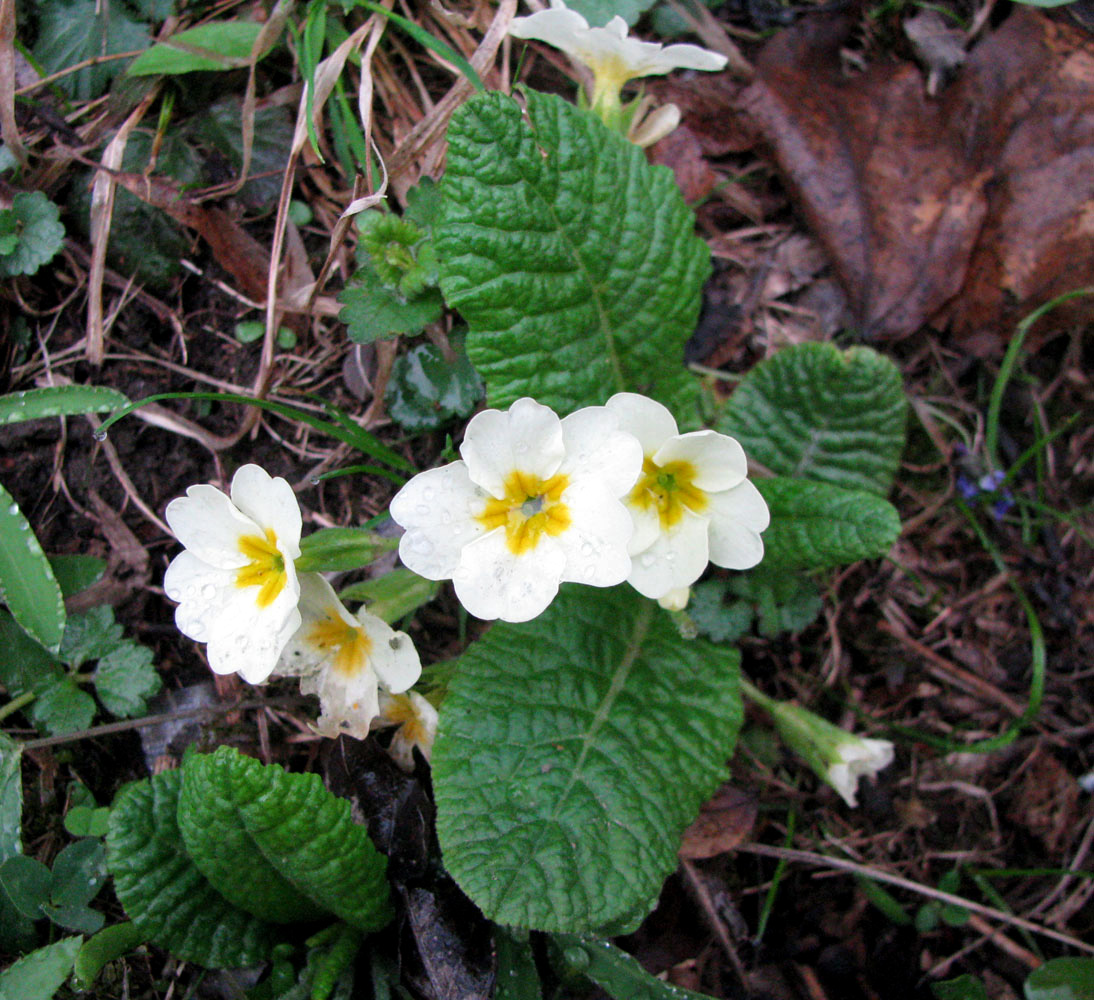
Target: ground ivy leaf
815, 525
573, 751
372, 311
63, 707
426, 391
814, 411
90, 635
36, 223
280, 844
164, 894
124, 678
573, 260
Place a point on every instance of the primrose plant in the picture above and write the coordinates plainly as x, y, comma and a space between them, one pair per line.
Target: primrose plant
576, 738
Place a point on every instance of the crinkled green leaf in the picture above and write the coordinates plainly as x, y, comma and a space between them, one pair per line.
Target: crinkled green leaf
40, 974
216, 45
573, 260
815, 411
89, 635
616, 972
1062, 979
815, 525
36, 222
373, 311
426, 391
58, 401
125, 678
73, 31
76, 572
572, 752
718, 621
164, 894
425, 204
63, 707
783, 602
280, 844
27, 584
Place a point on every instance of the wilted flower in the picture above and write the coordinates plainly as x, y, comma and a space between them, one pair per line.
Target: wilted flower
534, 503
346, 660
236, 583
692, 503
417, 722
838, 757
613, 57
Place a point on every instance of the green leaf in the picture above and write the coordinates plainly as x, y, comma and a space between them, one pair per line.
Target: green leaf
394, 595
600, 12
425, 204
90, 635
73, 31
25, 666
339, 550
106, 946
517, 977
40, 974
75, 573
572, 752
278, 844
87, 821
426, 391
170, 901
81, 919
79, 872
36, 221
217, 45
373, 311
616, 972
817, 412
27, 584
962, 988
63, 707
714, 619
125, 678
814, 525
1062, 979
11, 798
27, 882
574, 262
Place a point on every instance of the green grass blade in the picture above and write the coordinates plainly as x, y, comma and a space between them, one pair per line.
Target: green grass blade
27, 583
58, 401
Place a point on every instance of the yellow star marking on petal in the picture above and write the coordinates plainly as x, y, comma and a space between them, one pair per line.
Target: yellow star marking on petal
266, 568
401, 712
668, 488
530, 508
348, 644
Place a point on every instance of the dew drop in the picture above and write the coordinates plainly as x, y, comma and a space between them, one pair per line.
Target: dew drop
587, 549
446, 517
315, 480
521, 448
647, 560
422, 545
427, 493
33, 546
25, 526
422, 509
589, 572
208, 592
173, 594
670, 556
99, 435
13, 509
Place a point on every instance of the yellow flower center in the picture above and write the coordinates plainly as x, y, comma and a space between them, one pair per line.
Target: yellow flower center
348, 645
265, 569
401, 712
530, 508
668, 488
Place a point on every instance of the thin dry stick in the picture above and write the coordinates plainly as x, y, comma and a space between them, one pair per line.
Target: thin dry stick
9, 129
841, 864
702, 894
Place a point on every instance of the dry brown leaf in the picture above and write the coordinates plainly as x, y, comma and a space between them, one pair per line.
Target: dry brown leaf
724, 822
682, 153
974, 208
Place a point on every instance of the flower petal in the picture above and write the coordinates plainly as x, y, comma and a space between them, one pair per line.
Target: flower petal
676, 559
558, 27
596, 542
270, 502
347, 704
493, 583
645, 418
201, 590
647, 527
247, 639
737, 517
438, 510
527, 437
597, 449
393, 656
210, 526
719, 460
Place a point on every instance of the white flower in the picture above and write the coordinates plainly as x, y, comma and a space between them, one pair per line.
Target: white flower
609, 53
838, 757
692, 503
236, 583
675, 599
345, 660
417, 722
534, 503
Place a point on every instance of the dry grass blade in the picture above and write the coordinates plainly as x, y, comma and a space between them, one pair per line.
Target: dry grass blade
8, 126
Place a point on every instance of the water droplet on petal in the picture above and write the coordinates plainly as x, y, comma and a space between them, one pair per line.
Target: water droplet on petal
427, 493
174, 594
422, 545
422, 509
208, 592
647, 560
446, 517
521, 448
587, 549
670, 556
589, 572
